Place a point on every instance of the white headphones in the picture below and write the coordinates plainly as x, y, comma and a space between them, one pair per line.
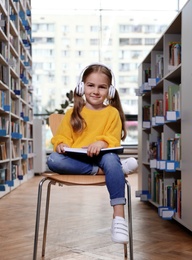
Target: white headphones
80, 86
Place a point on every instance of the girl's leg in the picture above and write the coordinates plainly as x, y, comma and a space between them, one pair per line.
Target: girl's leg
115, 181
63, 164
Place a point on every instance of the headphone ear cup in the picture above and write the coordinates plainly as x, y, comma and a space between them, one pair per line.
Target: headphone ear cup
80, 89
111, 91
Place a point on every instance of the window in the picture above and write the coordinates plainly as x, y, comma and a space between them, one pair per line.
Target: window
94, 42
51, 77
94, 54
48, 66
123, 91
124, 54
124, 67
50, 40
65, 41
65, 80
136, 41
64, 67
65, 28
65, 53
44, 27
37, 65
149, 28
79, 41
150, 41
79, 53
123, 79
127, 28
107, 55
79, 28
95, 28
123, 41
135, 54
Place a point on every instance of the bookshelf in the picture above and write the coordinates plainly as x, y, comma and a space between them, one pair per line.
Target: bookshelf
165, 120
16, 108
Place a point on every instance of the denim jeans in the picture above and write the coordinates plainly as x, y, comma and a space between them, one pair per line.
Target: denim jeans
82, 164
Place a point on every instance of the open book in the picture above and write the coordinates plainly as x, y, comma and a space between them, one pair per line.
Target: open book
117, 150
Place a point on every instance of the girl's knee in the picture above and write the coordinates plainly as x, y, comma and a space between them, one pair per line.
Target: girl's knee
54, 158
111, 158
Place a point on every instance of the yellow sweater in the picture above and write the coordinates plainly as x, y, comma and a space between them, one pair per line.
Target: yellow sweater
102, 125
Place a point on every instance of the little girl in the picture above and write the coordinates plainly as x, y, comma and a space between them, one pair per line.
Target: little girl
95, 122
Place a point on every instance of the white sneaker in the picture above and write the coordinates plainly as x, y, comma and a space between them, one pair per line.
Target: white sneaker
129, 165
119, 231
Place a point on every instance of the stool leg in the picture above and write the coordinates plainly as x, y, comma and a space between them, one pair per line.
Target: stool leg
130, 220
38, 218
125, 251
46, 216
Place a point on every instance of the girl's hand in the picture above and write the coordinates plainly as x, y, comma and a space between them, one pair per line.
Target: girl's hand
95, 148
61, 148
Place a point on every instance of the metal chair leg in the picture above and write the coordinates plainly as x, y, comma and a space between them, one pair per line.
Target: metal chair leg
129, 219
125, 251
46, 217
38, 218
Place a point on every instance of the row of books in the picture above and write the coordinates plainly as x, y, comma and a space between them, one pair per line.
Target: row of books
156, 149
171, 102
173, 98
174, 61
165, 191
17, 150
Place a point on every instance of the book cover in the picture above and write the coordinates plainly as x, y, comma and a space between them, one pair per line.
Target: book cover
117, 150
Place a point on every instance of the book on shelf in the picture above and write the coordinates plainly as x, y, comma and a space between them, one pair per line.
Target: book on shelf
174, 148
152, 150
117, 150
4, 74
23, 167
178, 203
147, 74
174, 97
3, 151
157, 108
159, 71
146, 113
174, 55
3, 175
14, 171
166, 102
157, 189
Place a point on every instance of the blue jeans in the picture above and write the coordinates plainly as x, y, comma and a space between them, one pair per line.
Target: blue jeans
82, 164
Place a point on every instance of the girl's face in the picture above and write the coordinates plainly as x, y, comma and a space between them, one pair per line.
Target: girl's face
96, 90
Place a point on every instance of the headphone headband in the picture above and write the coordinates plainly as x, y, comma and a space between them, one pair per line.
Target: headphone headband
80, 85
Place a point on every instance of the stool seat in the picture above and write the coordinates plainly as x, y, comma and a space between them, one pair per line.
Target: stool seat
76, 179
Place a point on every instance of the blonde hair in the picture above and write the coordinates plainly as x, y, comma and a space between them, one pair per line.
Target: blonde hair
77, 121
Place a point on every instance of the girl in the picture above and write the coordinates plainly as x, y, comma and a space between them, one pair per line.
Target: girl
95, 122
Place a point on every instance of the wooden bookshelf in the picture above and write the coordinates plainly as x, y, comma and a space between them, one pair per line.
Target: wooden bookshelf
16, 111
165, 120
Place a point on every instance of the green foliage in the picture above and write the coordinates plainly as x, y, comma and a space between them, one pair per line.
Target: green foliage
64, 106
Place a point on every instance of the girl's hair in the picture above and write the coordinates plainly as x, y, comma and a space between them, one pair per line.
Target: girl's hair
77, 121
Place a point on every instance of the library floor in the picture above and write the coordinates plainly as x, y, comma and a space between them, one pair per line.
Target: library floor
79, 226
